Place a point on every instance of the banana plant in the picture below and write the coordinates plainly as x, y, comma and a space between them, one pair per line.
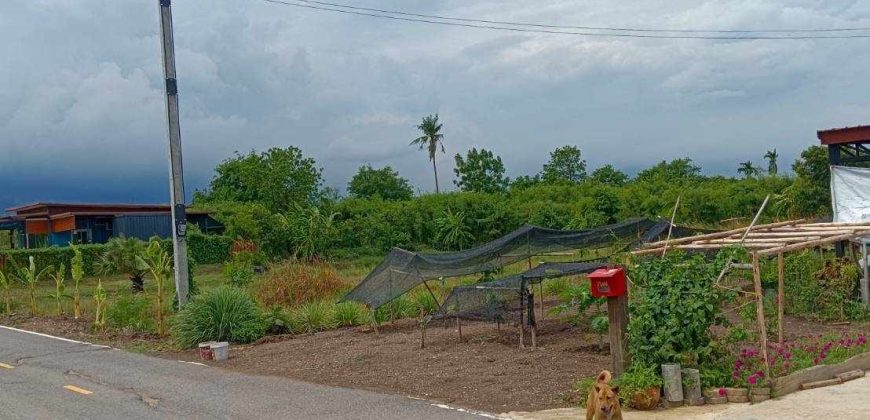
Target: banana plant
100, 296
77, 269
158, 263
59, 288
6, 285
31, 276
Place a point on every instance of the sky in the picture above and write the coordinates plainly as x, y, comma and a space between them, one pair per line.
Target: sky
82, 108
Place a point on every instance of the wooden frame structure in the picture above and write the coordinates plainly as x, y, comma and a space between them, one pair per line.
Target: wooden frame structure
772, 239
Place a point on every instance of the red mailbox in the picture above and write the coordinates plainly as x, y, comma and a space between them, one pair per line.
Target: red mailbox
607, 282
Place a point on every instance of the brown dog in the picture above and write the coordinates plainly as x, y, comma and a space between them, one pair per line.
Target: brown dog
603, 400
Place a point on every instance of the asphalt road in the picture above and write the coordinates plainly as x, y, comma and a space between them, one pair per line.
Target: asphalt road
49, 378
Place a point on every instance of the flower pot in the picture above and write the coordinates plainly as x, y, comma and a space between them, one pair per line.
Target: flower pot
760, 391
736, 392
205, 352
715, 392
647, 399
737, 395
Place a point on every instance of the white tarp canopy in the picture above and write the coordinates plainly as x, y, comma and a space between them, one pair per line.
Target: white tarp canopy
850, 194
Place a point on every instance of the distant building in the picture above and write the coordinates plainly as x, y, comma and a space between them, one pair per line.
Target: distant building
47, 224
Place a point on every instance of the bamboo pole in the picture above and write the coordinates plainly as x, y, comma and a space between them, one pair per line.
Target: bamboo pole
722, 234
459, 328
759, 311
810, 244
671, 226
757, 215
780, 294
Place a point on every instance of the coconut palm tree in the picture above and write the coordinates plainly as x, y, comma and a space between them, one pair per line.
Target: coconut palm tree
771, 157
431, 140
747, 169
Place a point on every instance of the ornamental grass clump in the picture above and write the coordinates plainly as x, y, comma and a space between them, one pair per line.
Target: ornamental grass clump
222, 314
350, 314
315, 316
292, 283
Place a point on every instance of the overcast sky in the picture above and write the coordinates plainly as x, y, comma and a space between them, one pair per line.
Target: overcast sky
81, 105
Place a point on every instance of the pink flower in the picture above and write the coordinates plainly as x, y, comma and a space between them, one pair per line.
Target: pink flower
721, 392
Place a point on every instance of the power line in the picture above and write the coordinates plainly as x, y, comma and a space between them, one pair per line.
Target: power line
597, 28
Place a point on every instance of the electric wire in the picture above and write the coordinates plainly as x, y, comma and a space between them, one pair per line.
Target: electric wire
408, 17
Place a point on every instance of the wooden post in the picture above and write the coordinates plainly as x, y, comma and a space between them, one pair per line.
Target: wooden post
541, 293
780, 295
617, 315
759, 311
532, 324
865, 281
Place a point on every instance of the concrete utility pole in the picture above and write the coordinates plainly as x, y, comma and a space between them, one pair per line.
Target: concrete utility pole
176, 178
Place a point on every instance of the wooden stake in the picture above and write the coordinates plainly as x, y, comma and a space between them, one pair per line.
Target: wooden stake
541, 290
759, 311
375, 322
422, 329
534, 337
780, 295
459, 327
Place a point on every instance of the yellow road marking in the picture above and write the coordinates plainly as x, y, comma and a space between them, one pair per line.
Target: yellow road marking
5, 366
77, 389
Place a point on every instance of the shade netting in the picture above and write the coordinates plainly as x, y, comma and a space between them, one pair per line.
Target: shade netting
403, 270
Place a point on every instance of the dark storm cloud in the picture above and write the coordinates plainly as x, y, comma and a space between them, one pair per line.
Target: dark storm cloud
81, 113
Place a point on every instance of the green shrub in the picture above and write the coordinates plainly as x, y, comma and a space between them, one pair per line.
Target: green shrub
637, 379
278, 321
315, 316
221, 314
350, 314
240, 270
209, 249
131, 311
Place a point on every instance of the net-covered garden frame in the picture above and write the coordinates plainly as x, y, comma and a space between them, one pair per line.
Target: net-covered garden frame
403, 270
496, 300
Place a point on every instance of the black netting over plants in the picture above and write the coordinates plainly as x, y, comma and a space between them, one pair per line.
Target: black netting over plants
403, 270
496, 300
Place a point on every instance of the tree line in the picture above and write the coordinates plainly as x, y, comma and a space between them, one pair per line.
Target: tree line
277, 198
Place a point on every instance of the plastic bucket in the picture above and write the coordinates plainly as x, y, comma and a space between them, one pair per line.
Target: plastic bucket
220, 351
205, 352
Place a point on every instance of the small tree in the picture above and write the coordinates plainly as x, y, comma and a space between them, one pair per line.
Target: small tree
77, 268
59, 287
480, 171
608, 175
384, 183
748, 169
566, 165
6, 285
159, 263
31, 276
121, 256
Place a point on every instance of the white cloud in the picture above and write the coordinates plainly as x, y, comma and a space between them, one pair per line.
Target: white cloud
350, 90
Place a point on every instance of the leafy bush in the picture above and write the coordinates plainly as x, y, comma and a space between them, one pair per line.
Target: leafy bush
240, 270
673, 309
292, 283
131, 311
221, 314
278, 321
315, 316
209, 249
350, 314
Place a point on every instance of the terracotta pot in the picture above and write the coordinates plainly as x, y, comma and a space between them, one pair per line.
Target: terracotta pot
736, 392
647, 399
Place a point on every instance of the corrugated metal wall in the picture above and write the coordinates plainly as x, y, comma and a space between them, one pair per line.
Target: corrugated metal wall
143, 226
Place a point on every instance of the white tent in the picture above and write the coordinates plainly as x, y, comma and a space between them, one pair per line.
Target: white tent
850, 194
